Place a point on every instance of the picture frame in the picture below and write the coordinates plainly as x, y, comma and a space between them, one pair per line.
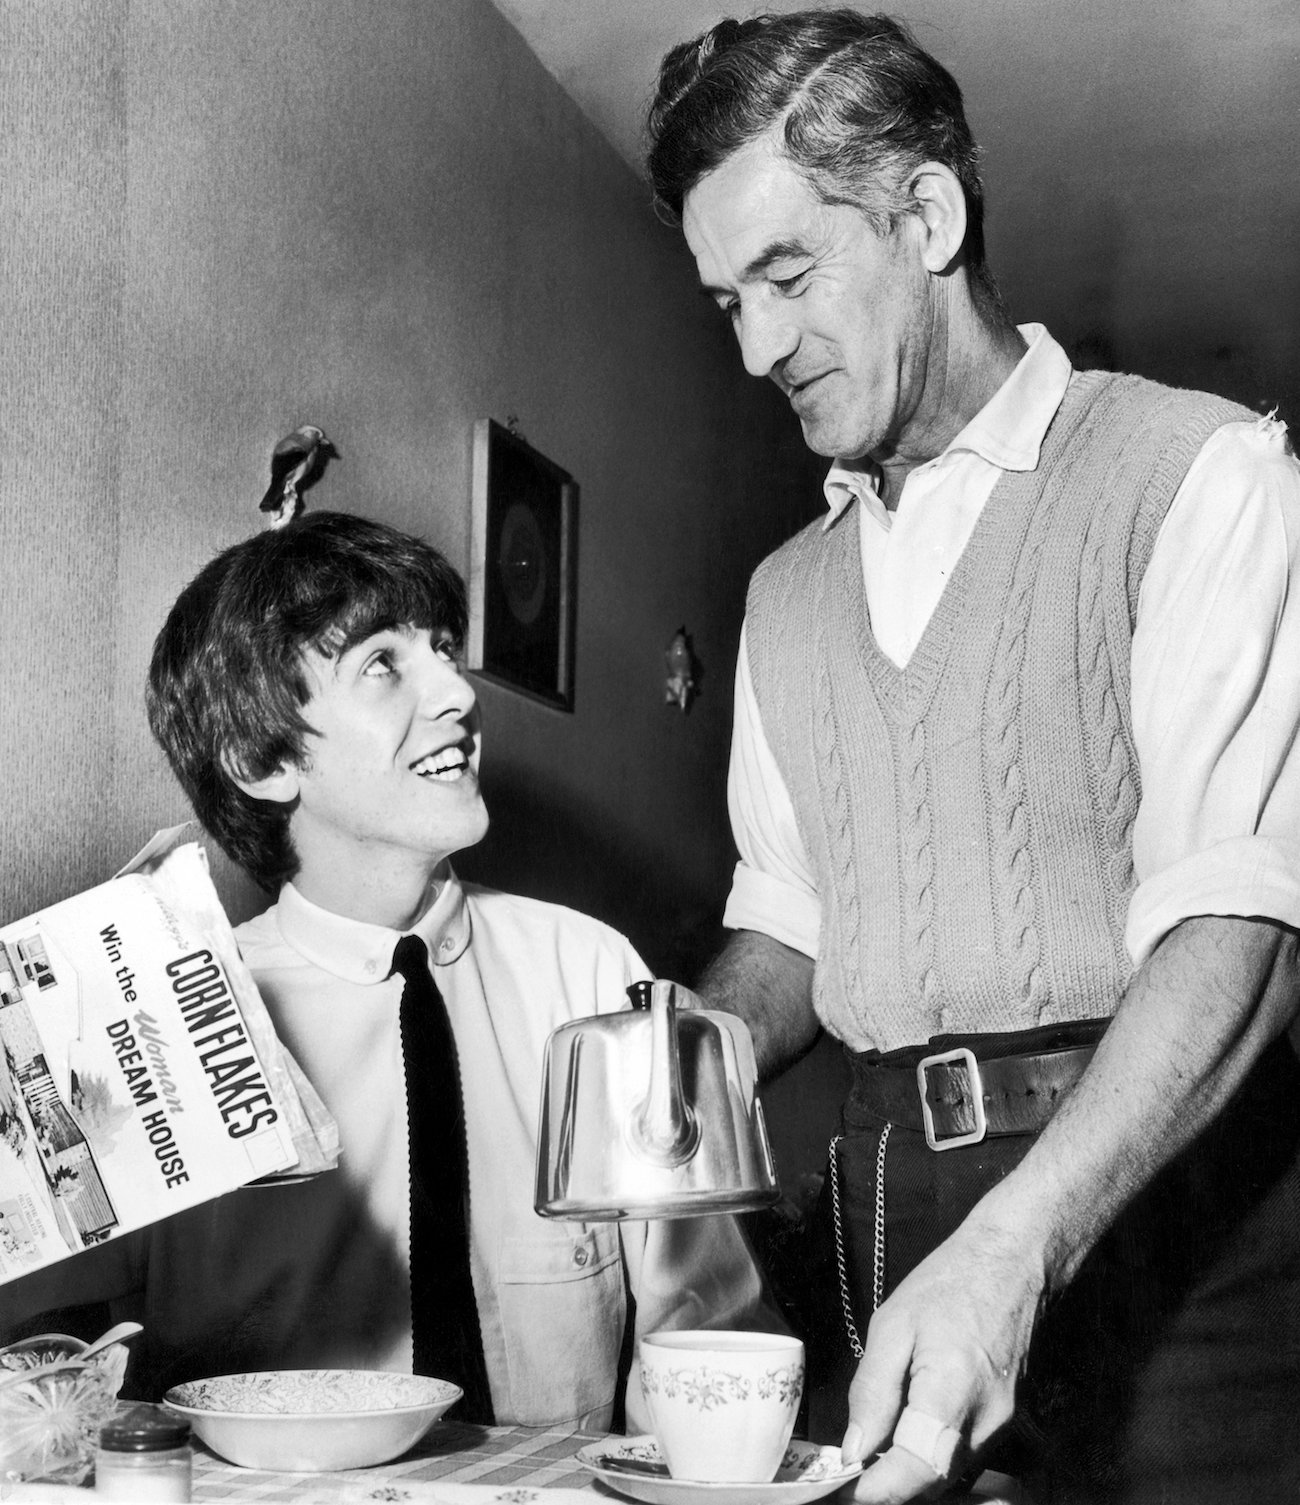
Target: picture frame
523, 577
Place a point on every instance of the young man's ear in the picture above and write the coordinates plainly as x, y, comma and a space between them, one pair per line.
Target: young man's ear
940, 204
281, 785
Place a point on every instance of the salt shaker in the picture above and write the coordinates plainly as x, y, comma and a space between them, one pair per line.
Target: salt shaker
144, 1455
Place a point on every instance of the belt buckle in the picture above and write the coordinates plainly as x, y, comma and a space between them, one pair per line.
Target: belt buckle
944, 1058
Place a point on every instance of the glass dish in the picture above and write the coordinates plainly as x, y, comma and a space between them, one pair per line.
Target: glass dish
52, 1405
50, 1416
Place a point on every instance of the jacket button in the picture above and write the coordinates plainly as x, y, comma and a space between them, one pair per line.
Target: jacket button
580, 1257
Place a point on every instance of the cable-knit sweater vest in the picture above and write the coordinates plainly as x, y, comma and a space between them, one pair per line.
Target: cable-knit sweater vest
969, 817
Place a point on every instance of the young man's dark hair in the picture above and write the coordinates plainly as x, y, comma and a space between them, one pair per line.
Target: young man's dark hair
227, 684
859, 102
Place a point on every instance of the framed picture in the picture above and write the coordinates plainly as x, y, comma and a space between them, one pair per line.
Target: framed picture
523, 575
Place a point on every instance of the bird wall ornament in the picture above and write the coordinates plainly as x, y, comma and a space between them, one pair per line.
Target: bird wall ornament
297, 462
681, 684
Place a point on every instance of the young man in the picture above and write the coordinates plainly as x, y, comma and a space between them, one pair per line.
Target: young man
307, 692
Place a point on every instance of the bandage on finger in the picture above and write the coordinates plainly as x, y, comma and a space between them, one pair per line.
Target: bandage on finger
926, 1437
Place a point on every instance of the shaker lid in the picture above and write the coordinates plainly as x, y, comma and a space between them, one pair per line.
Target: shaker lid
144, 1429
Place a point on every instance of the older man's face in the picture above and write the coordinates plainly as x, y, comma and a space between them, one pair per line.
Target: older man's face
839, 317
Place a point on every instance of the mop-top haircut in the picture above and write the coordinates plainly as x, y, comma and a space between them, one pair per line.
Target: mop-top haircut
227, 682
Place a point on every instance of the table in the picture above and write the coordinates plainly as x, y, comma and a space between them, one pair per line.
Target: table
517, 1460
511, 1465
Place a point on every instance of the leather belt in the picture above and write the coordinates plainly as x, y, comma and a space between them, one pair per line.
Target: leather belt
956, 1097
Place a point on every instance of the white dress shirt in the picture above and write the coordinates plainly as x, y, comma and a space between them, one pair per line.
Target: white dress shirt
318, 1275
1215, 666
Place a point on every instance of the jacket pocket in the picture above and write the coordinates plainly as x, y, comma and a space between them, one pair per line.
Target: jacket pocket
562, 1315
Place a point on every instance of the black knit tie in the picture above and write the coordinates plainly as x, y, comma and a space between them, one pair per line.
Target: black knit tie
444, 1316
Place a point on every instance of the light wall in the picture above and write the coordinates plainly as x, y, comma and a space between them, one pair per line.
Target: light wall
384, 217
389, 220
63, 209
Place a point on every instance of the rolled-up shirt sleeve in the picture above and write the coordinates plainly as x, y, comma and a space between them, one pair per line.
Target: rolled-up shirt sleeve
1216, 693
773, 890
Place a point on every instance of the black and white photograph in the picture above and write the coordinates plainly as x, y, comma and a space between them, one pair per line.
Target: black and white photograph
651, 744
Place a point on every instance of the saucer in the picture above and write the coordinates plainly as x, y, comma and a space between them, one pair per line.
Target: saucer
807, 1472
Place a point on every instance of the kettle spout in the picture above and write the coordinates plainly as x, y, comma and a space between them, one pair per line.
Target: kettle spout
664, 1128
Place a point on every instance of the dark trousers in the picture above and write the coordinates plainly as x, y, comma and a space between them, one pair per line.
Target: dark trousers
1168, 1373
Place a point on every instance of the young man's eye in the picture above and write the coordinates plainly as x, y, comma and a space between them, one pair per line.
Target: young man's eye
380, 664
448, 649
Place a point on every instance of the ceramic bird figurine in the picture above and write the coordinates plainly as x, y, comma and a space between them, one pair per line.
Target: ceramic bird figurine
296, 463
679, 686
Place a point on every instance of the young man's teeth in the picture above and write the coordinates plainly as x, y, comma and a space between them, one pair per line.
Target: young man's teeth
448, 765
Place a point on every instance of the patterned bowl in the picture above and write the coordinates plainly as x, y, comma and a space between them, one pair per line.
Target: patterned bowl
312, 1420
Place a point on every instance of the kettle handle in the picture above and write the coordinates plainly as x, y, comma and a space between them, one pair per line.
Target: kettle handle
663, 1129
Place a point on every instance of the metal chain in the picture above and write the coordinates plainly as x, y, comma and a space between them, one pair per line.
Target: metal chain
855, 1342
878, 1254
878, 1251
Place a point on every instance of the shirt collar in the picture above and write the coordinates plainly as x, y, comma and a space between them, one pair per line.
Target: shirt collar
359, 952
1008, 431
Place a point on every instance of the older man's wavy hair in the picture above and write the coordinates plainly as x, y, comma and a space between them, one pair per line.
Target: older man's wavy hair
859, 104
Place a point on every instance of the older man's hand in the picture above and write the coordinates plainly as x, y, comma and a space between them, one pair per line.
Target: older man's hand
942, 1356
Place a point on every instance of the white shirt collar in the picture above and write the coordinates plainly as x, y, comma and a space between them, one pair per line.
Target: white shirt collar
363, 953
1008, 431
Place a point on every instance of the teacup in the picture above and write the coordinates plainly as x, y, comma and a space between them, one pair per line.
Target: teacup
722, 1404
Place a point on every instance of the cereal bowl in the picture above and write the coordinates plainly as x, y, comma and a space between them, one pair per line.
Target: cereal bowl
312, 1420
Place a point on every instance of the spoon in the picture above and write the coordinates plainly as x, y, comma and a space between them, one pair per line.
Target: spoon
619, 1465
119, 1333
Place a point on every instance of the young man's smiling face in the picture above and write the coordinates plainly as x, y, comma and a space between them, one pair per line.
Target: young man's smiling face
388, 784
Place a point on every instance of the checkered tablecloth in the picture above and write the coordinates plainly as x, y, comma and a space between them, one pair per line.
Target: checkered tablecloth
510, 1464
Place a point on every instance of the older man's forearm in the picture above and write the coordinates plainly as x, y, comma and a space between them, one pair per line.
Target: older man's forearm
769, 985
1197, 1016
951, 1340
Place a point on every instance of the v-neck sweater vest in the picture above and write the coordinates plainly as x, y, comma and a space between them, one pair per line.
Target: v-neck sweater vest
969, 817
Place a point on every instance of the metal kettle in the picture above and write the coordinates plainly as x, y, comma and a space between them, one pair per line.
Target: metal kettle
652, 1112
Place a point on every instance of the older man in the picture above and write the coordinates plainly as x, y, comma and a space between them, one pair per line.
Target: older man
1016, 793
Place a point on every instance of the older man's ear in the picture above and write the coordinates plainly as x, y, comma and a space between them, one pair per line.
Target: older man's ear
940, 206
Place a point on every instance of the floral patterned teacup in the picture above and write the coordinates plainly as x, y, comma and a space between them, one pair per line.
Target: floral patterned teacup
722, 1404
